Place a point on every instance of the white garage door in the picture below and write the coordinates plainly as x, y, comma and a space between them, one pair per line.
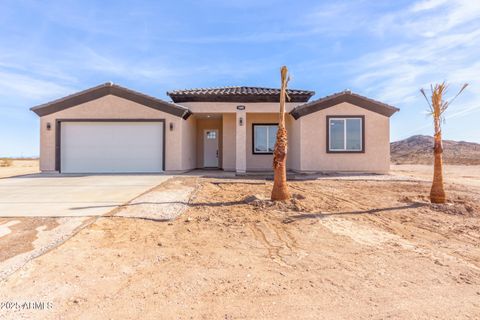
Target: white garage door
105, 147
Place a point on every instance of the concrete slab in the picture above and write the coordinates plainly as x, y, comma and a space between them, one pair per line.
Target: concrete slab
58, 195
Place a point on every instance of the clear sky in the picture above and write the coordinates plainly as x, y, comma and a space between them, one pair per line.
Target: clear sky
384, 49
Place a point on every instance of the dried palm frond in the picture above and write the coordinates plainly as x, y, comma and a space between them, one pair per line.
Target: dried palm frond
437, 105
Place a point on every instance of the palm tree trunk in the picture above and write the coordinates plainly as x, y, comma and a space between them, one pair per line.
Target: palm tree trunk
437, 107
280, 188
437, 193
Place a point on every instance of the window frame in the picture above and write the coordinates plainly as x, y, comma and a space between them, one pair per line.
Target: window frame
253, 137
362, 134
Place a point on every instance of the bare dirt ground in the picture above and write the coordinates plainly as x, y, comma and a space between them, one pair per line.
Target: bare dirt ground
19, 167
453, 174
344, 249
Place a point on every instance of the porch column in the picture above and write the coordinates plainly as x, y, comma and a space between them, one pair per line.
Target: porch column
241, 142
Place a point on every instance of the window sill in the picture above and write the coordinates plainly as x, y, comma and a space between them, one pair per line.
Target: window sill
345, 151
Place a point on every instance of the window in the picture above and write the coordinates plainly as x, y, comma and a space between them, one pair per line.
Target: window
264, 136
345, 134
211, 135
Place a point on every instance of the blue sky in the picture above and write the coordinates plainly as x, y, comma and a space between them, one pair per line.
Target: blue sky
386, 50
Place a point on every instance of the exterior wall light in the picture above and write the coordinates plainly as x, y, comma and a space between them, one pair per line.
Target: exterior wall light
171, 126
240, 121
49, 126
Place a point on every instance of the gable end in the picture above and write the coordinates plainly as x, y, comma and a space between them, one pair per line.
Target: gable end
110, 89
345, 96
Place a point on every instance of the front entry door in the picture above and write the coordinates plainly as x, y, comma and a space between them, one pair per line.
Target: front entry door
210, 148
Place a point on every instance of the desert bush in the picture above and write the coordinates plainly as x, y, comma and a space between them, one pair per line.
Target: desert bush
6, 162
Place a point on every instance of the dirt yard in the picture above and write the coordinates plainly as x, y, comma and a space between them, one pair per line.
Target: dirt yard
19, 167
342, 249
453, 174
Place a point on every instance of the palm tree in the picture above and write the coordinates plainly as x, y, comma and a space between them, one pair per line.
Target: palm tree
280, 188
437, 108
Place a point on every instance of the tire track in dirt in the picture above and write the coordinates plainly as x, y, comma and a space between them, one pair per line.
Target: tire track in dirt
384, 229
331, 195
366, 235
281, 245
274, 250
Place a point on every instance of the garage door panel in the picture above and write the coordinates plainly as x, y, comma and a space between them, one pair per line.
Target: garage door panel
103, 147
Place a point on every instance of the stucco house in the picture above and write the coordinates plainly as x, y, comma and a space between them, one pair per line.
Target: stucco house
109, 128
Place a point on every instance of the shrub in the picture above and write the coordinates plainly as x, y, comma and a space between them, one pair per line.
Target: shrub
6, 162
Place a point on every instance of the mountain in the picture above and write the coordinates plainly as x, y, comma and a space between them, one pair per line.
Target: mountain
419, 150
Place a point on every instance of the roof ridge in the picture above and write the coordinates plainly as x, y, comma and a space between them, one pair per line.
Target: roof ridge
237, 94
343, 96
146, 95
374, 100
203, 88
234, 87
106, 84
346, 91
109, 88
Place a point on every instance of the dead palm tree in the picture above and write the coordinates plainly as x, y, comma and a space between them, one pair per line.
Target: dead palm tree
280, 188
438, 106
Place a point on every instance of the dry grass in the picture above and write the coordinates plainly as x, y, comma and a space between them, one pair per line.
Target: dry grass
6, 162
10, 167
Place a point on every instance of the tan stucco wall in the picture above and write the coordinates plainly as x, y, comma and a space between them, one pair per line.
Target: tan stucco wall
241, 142
313, 142
184, 144
263, 162
228, 147
189, 143
202, 125
294, 152
112, 107
231, 107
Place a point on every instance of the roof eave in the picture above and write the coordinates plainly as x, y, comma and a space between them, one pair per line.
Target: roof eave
107, 89
355, 99
237, 94
237, 98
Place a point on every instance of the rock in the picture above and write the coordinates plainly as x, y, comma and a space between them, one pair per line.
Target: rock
298, 196
251, 199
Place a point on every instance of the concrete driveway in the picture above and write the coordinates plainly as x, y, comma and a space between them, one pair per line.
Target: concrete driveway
57, 195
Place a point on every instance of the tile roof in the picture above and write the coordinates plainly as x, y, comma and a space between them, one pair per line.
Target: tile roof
237, 94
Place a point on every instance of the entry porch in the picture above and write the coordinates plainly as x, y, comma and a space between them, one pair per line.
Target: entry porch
238, 142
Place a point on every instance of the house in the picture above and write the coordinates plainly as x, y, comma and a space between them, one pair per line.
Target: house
110, 128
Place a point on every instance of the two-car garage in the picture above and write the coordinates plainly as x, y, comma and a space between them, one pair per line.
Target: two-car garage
110, 146
111, 129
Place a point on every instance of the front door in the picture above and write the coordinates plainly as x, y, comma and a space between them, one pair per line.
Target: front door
210, 148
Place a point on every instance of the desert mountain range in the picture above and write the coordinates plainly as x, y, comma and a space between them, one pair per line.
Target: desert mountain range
418, 149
